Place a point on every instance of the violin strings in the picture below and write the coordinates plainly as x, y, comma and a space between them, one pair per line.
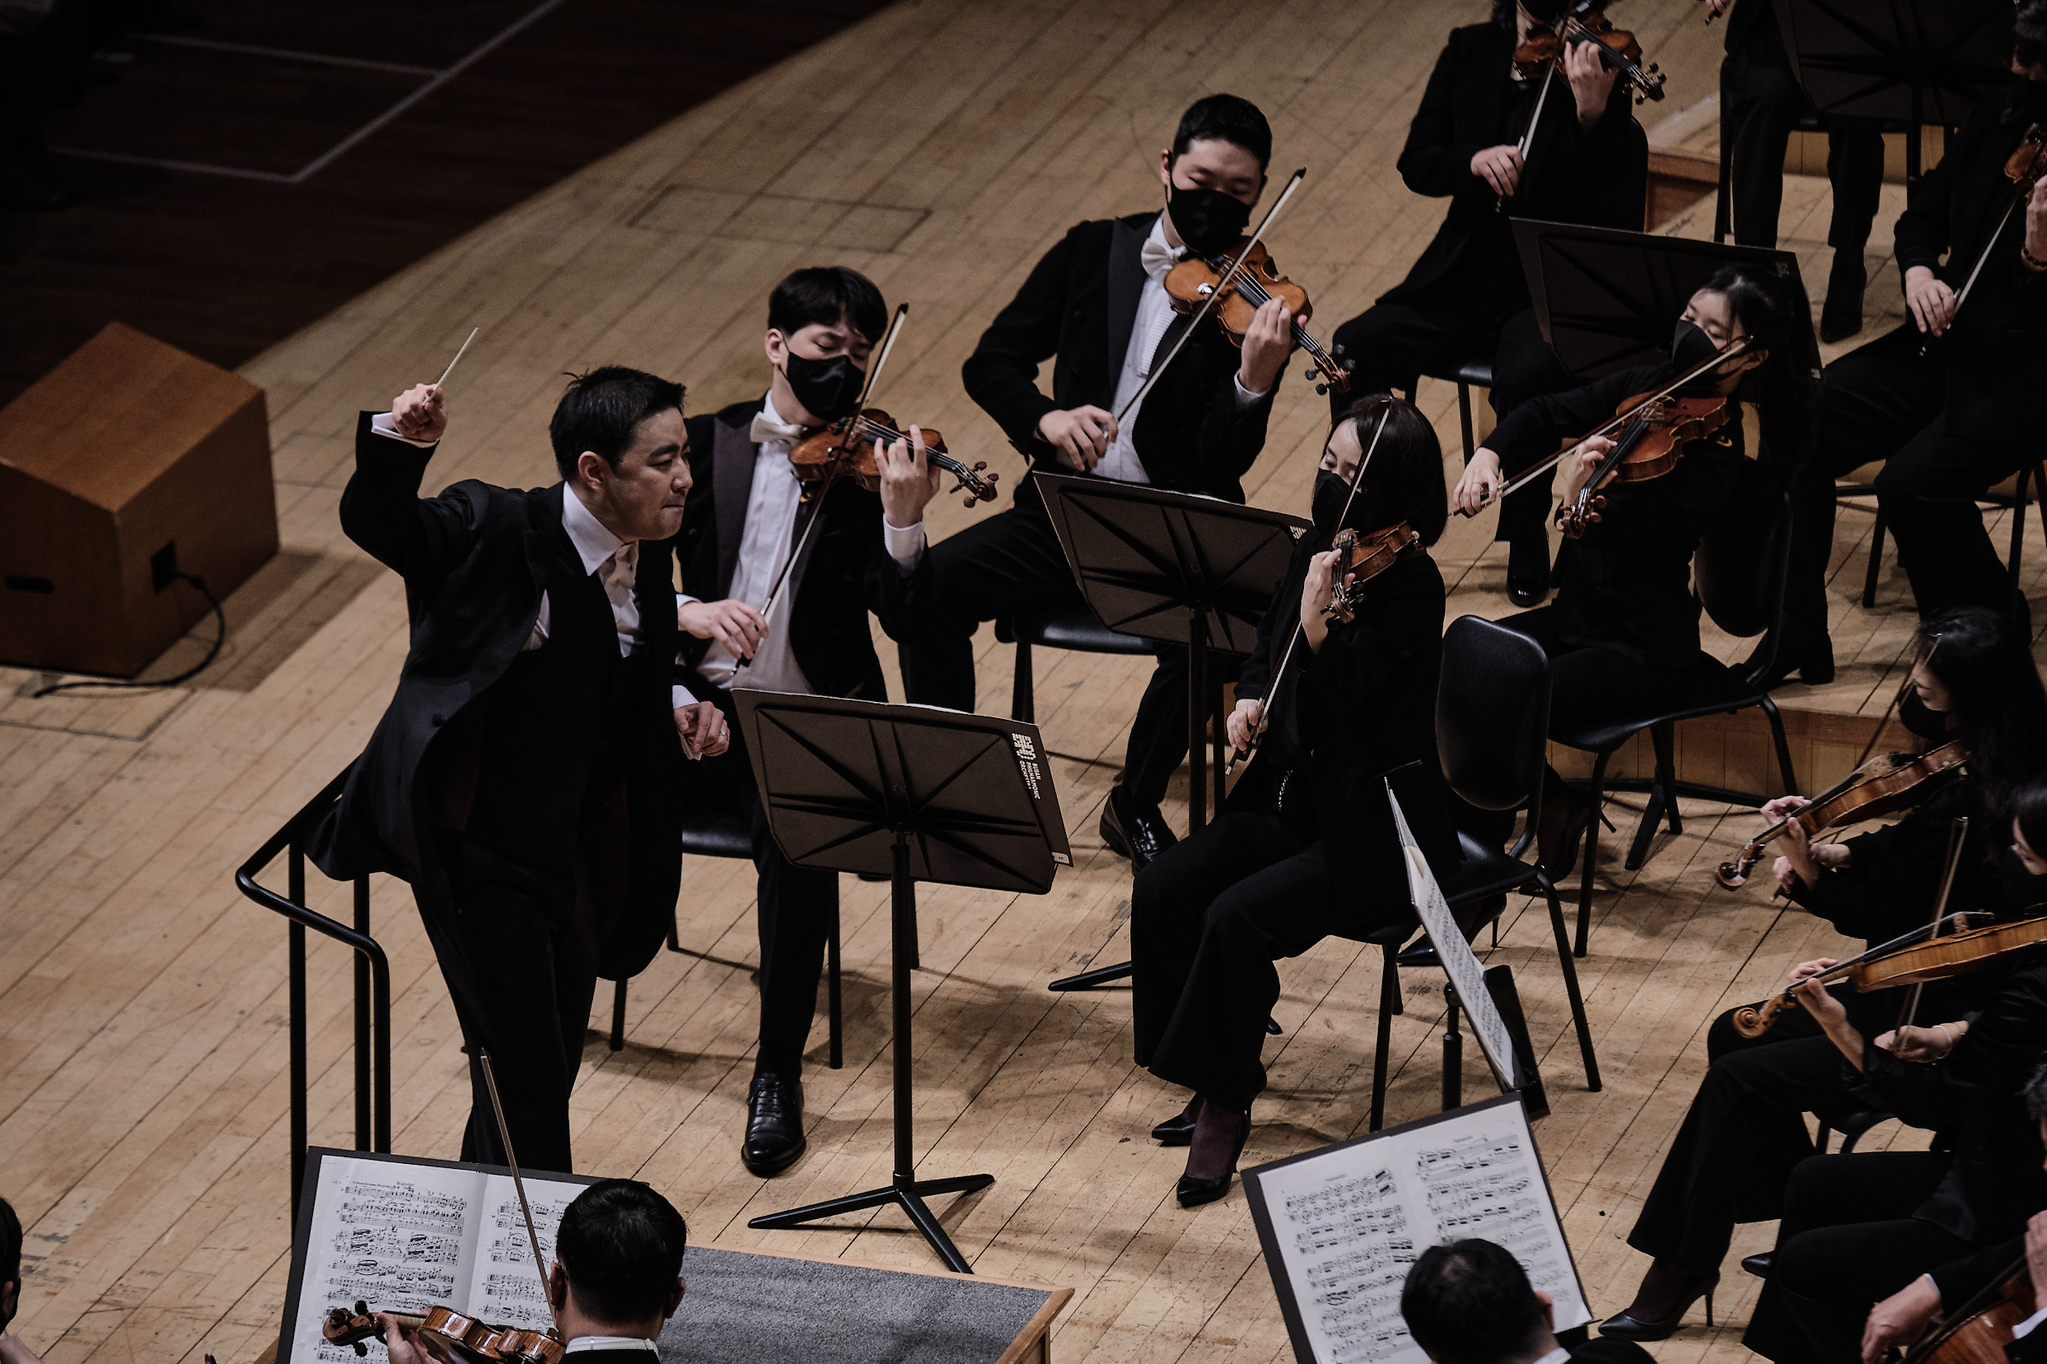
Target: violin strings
939, 457
1248, 285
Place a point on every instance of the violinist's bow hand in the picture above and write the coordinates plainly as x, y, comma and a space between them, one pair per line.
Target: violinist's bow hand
1244, 726
1481, 483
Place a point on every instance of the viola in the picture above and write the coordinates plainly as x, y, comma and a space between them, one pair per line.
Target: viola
447, 1335
845, 449
1881, 786
1648, 445
1194, 281
1361, 558
1617, 48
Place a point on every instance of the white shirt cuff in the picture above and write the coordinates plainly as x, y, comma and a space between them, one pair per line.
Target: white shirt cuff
1245, 397
905, 544
384, 426
680, 696
2026, 1326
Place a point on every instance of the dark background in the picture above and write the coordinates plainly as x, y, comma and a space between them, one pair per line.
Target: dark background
224, 266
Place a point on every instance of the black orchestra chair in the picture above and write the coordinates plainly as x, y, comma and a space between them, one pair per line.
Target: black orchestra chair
1475, 371
1492, 728
2015, 500
1069, 627
719, 835
1738, 576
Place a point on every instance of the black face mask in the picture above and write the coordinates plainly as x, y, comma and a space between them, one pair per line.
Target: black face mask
828, 389
1690, 347
1332, 490
1207, 220
1921, 718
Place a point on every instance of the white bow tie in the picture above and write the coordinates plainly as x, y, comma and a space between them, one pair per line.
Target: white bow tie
766, 430
1157, 257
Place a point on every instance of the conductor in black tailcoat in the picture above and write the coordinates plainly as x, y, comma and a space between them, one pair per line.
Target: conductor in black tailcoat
523, 778
1097, 301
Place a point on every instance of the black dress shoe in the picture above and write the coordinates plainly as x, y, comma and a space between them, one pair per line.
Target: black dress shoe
1528, 570
1758, 1265
1560, 830
1178, 1130
1193, 1191
1421, 952
1138, 834
774, 1125
1812, 658
1628, 1326
1841, 314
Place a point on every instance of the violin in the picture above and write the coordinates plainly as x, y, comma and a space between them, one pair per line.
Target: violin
1617, 48
447, 1335
1647, 446
1978, 1331
1912, 959
1193, 282
1361, 558
845, 449
1881, 786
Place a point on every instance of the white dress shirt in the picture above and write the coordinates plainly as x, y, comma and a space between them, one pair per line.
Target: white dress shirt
764, 546
581, 1343
1154, 316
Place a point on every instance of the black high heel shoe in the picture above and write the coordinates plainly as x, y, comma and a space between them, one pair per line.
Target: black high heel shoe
1178, 1130
1193, 1191
1628, 1326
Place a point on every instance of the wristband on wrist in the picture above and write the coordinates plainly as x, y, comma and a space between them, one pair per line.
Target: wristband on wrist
2033, 262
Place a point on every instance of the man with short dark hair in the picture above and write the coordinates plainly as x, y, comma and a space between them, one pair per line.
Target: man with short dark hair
1470, 1302
1098, 301
13, 1349
523, 777
747, 522
616, 1278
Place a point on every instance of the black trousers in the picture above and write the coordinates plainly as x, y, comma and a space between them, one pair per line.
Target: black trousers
1011, 562
1741, 1138
518, 953
1586, 679
794, 906
1761, 101
1848, 1241
1883, 402
1207, 921
1393, 343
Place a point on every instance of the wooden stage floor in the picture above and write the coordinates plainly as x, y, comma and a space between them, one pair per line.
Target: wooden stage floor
143, 1086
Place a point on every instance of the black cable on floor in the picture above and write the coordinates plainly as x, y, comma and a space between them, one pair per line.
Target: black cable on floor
219, 618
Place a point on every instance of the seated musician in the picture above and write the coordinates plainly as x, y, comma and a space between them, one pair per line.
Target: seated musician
1625, 621
1304, 846
1857, 1229
1470, 1302
742, 526
13, 1349
1953, 422
1098, 301
1587, 163
616, 1277
1745, 1129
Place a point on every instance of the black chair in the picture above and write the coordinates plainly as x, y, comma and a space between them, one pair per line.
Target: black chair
1809, 120
1492, 728
1738, 576
1851, 1122
1070, 627
2016, 500
705, 835
1472, 372
1388, 941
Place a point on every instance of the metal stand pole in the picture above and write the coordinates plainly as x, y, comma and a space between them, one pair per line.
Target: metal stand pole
1453, 1053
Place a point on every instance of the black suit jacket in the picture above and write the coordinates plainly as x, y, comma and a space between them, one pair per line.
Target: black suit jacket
475, 561
1598, 178
1080, 304
845, 571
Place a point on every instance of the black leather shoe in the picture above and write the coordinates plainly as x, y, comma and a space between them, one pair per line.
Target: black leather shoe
1421, 952
1758, 1265
1841, 315
1192, 1191
1628, 1326
1560, 830
1178, 1130
1138, 834
1812, 658
1528, 570
774, 1125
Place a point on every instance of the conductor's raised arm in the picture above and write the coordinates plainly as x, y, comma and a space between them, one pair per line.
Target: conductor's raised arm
381, 509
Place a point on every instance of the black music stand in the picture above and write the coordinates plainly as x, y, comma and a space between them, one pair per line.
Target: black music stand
1177, 568
1914, 60
1607, 299
918, 794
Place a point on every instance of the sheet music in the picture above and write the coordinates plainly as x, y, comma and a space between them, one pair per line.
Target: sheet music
1349, 1221
401, 1237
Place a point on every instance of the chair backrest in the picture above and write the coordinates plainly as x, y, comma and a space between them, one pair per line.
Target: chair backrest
1492, 713
1741, 567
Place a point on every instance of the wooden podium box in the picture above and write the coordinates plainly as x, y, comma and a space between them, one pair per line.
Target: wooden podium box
128, 460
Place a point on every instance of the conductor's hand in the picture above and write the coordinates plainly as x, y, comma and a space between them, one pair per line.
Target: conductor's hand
1267, 343
908, 479
1499, 167
1901, 1318
1718, 6
1591, 81
1243, 723
1081, 433
703, 729
420, 413
402, 1342
733, 623
1481, 482
1931, 302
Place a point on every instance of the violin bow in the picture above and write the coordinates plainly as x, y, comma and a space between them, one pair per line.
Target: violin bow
888, 341
1294, 636
1222, 286
1527, 141
1614, 423
1983, 258
1957, 835
497, 1107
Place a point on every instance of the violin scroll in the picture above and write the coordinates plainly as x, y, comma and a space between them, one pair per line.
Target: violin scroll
1734, 874
1753, 1020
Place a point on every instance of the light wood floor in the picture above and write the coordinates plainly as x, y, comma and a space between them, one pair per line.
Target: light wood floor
940, 146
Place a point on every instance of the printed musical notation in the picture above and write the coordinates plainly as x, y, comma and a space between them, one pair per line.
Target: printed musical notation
1350, 1221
